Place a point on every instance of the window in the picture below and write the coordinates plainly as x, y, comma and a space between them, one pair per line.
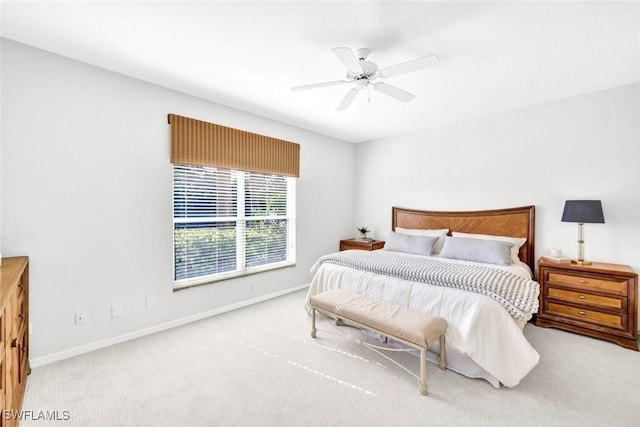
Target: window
229, 223
233, 201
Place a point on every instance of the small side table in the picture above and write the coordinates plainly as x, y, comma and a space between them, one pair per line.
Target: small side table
361, 245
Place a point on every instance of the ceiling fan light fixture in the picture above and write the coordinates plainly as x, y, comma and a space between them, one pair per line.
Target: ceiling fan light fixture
362, 83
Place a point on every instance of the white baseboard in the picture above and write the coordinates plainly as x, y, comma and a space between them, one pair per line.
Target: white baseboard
76, 351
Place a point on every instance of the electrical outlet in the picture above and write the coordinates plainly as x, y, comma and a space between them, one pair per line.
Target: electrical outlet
80, 318
150, 302
117, 310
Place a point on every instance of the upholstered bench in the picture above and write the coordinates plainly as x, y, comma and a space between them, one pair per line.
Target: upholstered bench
410, 327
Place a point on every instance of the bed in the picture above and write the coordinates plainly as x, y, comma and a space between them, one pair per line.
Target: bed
485, 321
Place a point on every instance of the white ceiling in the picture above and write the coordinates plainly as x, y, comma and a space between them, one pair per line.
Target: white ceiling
494, 56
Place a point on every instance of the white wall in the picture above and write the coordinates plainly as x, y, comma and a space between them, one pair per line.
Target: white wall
581, 147
86, 193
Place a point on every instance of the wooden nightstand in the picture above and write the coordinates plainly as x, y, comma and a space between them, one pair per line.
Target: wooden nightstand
359, 244
598, 300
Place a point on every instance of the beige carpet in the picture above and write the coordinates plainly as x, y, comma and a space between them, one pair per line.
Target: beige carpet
258, 366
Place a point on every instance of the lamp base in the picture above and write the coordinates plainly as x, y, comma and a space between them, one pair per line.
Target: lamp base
580, 262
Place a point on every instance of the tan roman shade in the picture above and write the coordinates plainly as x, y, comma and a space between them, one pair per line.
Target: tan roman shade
194, 142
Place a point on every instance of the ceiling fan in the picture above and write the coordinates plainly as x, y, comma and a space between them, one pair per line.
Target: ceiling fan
363, 74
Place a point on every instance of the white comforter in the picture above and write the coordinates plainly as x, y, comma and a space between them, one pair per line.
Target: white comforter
477, 326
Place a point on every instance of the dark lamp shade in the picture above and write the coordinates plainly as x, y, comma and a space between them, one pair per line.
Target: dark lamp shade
587, 211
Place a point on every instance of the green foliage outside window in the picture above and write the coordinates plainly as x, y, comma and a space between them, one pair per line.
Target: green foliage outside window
215, 248
198, 251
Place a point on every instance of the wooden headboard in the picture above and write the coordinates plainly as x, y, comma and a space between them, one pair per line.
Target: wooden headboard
512, 222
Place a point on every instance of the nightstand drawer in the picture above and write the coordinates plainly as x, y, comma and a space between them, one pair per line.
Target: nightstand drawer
585, 298
609, 284
599, 318
370, 245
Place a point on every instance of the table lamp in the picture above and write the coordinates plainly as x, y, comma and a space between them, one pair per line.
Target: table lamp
581, 211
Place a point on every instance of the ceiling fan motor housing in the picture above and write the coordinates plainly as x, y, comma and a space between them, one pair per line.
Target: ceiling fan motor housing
369, 69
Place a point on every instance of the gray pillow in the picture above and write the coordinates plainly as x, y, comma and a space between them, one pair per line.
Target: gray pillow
478, 250
419, 245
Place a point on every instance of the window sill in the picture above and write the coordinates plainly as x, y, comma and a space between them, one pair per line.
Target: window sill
206, 280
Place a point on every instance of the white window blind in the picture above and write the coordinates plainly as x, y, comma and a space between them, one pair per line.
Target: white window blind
229, 223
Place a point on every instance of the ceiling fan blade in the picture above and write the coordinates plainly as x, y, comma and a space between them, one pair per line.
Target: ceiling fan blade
318, 85
394, 92
347, 57
409, 66
348, 98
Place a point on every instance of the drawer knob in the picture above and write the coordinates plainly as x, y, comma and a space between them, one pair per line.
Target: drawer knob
582, 281
582, 297
582, 313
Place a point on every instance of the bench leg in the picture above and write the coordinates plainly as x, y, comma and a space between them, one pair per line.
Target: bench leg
423, 372
442, 358
313, 323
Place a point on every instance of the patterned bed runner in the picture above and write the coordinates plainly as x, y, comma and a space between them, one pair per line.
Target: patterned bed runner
516, 293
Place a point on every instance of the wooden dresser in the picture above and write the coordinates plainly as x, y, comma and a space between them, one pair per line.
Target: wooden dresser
599, 300
14, 330
361, 245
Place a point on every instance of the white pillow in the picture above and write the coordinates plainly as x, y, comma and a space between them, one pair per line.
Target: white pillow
419, 245
439, 233
515, 249
478, 250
